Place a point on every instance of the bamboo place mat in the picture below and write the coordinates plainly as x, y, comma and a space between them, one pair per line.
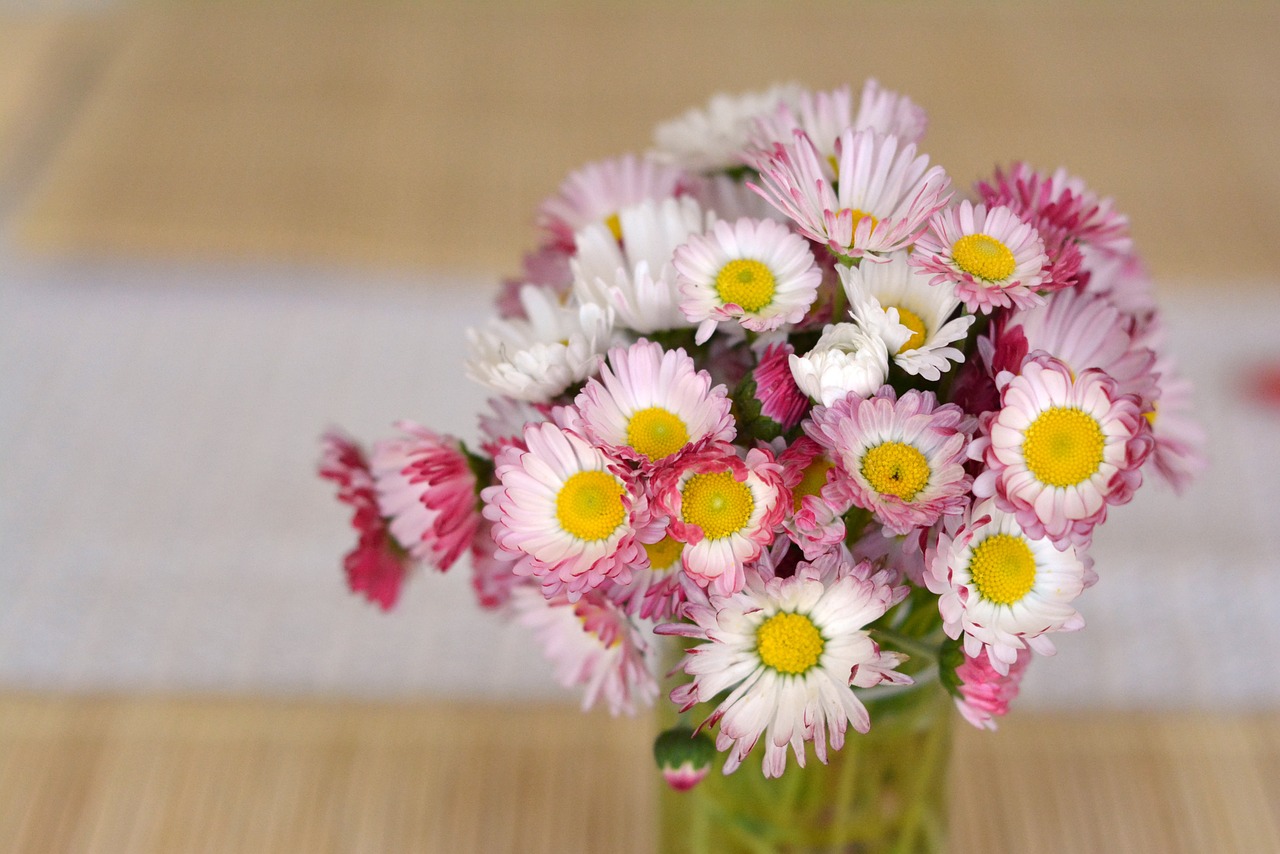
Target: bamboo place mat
425, 135
165, 775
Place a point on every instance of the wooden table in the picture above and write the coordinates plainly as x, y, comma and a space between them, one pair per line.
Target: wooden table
143, 775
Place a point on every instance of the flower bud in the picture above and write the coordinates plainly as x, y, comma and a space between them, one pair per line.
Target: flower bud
683, 756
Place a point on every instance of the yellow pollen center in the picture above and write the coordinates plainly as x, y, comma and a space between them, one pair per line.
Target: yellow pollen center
1063, 446
859, 215
1151, 416
589, 505
664, 554
656, 432
1003, 568
983, 257
746, 283
896, 468
812, 481
912, 321
789, 643
716, 503
615, 226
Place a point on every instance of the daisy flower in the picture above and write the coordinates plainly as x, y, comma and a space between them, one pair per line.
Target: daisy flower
593, 645
723, 509
989, 256
650, 404
1061, 205
816, 521
563, 511
893, 294
903, 457
847, 359
377, 566
635, 276
1062, 447
774, 389
823, 116
492, 580
538, 358
788, 652
757, 272
711, 138
881, 202
1178, 455
426, 487
983, 694
655, 591
1002, 589
596, 193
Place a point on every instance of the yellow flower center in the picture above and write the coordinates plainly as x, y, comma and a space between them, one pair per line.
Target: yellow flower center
589, 505
747, 283
664, 554
789, 643
911, 320
1003, 568
896, 468
1063, 446
859, 215
615, 225
716, 503
983, 257
656, 432
812, 480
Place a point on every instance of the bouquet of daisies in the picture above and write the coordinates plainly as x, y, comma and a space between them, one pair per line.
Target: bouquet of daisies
778, 389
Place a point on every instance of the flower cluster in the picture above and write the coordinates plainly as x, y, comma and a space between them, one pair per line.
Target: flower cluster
776, 389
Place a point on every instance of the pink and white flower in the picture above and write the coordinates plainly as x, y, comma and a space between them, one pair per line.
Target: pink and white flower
756, 272
1061, 449
596, 193
1002, 589
881, 203
724, 509
377, 566
780, 399
712, 138
426, 487
595, 646
564, 512
650, 404
823, 116
816, 520
789, 652
983, 693
902, 458
990, 257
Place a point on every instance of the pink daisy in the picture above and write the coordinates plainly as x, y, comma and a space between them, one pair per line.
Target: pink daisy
655, 591
1061, 449
882, 201
724, 510
825, 115
650, 404
1179, 453
1002, 589
816, 520
593, 645
598, 191
982, 693
993, 259
492, 580
902, 458
564, 511
377, 566
427, 488
774, 389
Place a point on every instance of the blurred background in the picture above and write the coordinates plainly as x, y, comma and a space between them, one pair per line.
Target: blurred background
226, 227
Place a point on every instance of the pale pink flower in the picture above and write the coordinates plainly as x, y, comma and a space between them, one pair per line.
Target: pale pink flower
901, 458
816, 520
597, 192
984, 693
823, 116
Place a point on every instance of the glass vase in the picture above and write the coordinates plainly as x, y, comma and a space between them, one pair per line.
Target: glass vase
885, 791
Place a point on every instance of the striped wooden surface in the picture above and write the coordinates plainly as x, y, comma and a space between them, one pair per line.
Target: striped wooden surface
424, 135
180, 775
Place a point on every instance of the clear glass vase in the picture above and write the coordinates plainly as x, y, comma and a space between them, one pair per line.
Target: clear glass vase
885, 791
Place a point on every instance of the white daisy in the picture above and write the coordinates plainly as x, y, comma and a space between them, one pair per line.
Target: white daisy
757, 272
789, 652
635, 276
898, 295
711, 138
1002, 589
538, 358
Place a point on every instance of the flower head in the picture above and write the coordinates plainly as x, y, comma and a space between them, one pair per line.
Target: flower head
788, 652
902, 458
754, 271
711, 138
596, 193
982, 693
847, 359
377, 566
